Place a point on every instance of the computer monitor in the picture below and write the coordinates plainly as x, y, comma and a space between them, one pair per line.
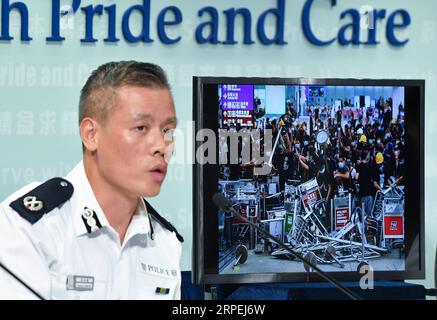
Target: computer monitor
332, 167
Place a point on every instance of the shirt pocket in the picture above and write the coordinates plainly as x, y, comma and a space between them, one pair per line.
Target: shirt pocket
152, 286
77, 287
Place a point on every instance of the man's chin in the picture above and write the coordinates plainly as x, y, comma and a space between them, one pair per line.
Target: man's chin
151, 192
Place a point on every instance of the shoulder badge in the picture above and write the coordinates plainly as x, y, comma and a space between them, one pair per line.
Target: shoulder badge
162, 221
43, 199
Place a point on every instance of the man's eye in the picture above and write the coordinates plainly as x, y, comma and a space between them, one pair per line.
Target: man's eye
169, 133
140, 128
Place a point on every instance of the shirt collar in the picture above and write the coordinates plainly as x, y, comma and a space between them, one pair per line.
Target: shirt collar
89, 217
140, 223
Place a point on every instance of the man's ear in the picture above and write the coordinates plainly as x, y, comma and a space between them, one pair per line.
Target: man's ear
89, 134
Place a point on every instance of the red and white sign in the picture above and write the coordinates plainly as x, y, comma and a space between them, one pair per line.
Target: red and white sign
243, 212
310, 198
393, 227
341, 217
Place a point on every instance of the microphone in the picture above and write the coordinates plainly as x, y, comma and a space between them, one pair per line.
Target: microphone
24, 284
224, 204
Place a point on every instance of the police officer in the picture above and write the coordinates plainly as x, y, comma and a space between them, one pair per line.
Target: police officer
92, 235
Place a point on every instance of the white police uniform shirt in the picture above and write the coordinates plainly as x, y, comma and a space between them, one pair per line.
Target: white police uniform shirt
85, 260
19, 255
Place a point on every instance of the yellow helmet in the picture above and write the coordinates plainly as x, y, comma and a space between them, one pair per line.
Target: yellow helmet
393, 121
379, 158
281, 122
363, 139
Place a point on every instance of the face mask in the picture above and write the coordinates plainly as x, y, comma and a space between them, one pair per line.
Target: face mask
378, 141
341, 165
370, 141
322, 171
297, 146
305, 143
353, 173
353, 144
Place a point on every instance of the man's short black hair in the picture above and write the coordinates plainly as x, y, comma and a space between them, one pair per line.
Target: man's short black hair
98, 94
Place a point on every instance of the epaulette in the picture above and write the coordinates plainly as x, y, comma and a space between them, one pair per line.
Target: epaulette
162, 221
43, 199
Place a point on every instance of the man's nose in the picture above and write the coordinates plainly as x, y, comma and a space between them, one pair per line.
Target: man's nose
158, 142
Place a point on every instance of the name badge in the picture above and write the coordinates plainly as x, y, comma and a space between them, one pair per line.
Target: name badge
80, 283
160, 271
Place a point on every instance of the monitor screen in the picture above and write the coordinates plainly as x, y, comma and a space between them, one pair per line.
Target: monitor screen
331, 167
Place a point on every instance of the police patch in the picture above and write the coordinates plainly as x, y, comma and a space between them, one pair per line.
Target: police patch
90, 219
36, 203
